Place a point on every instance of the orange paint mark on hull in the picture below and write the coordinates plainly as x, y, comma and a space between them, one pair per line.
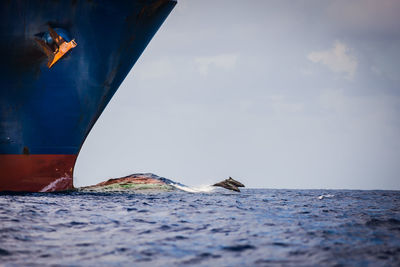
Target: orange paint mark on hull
35, 173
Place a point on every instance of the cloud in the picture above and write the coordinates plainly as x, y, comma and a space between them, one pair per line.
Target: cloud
222, 61
338, 59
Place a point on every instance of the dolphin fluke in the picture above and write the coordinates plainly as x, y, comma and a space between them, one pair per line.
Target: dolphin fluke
230, 184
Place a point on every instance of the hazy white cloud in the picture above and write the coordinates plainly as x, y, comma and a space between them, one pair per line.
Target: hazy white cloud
338, 59
222, 61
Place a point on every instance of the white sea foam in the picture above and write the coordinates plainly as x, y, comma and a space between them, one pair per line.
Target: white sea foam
195, 189
53, 186
325, 196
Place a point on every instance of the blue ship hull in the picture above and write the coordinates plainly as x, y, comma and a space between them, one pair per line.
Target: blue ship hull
46, 113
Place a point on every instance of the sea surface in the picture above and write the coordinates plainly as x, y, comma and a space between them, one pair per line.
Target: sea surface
257, 227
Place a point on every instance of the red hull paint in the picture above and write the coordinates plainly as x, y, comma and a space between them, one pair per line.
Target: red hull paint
36, 173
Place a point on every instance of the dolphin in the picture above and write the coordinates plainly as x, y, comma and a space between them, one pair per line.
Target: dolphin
234, 182
230, 184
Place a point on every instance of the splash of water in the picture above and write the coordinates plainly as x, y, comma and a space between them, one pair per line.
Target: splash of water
195, 189
325, 196
57, 185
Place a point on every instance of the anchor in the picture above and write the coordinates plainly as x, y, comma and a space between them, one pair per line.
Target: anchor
58, 50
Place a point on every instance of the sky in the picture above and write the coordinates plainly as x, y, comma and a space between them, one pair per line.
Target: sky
276, 94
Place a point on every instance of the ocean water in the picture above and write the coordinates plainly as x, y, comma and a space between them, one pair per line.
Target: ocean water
256, 227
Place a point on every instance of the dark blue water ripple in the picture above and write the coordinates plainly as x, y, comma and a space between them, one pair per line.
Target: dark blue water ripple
253, 228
